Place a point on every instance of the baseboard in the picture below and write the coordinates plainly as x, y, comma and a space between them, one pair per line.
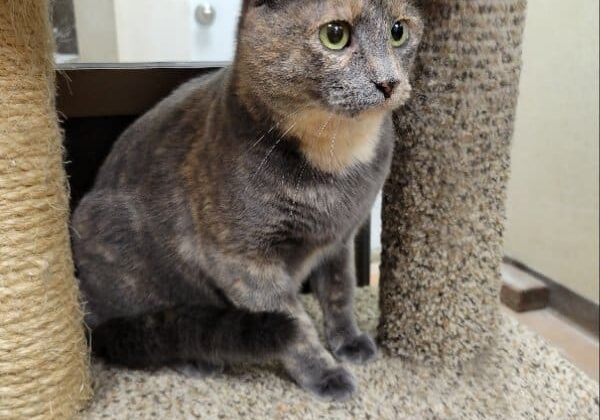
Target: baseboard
571, 305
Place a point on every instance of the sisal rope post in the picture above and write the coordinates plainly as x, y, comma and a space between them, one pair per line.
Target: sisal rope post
444, 204
43, 353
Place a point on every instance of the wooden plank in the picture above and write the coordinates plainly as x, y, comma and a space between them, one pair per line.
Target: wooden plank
105, 92
522, 292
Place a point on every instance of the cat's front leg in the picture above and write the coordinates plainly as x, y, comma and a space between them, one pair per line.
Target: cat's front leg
334, 283
306, 359
311, 365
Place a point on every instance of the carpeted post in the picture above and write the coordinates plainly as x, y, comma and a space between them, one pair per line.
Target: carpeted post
444, 203
43, 355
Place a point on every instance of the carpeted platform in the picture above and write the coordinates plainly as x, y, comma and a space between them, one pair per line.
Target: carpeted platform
521, 378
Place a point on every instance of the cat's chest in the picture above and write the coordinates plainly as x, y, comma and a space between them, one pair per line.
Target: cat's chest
300, 210
333, 201
321, 209
334, 143
328, 206
318, 219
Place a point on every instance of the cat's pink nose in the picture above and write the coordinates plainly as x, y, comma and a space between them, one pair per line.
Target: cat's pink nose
386, 87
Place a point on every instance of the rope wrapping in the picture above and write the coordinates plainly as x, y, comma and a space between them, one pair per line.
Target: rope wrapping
43, 353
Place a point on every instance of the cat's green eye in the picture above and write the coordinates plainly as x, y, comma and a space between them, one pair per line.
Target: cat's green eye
400, 34
335, 35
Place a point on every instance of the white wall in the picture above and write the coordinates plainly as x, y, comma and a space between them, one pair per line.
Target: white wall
96, 30
376, 227
553, 194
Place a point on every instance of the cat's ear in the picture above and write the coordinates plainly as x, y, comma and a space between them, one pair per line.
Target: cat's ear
247, 4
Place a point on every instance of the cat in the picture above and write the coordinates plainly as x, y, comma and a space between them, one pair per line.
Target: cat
216, 206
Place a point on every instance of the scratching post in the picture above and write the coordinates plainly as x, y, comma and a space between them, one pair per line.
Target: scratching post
443, 208
43, 357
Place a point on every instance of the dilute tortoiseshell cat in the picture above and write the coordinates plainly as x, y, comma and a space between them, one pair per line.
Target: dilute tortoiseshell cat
214, 207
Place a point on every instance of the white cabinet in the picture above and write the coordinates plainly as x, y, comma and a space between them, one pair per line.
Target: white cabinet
216, 41
156, 30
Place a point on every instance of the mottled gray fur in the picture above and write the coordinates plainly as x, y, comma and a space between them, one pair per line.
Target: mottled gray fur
216, 198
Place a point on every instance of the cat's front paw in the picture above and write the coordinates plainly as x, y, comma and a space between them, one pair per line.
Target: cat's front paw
336, 384
358, 349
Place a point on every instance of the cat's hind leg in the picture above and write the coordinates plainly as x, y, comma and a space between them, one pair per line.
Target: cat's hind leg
268, 288
109, 246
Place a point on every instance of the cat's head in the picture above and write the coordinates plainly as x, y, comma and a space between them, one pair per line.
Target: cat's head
343, 56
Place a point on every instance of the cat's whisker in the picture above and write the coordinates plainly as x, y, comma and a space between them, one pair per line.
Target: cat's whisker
324, 126
304, 165
276, 125
262, 137
332, 155
333, 142
297, 186
270, 152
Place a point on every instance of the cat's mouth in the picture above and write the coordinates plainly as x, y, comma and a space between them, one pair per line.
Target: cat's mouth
355, 110
379, 101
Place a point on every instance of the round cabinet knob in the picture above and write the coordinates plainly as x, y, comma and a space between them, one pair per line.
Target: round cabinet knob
205, 14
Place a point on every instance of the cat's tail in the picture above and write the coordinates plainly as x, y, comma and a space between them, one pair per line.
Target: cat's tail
188, 333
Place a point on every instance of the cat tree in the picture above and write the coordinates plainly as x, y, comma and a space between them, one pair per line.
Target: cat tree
43, 355
443, 212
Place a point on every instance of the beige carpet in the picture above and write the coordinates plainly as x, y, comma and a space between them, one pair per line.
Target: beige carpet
521, 378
